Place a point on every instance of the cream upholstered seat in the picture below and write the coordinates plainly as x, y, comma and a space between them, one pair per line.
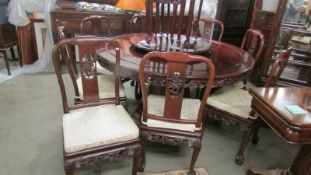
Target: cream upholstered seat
233, 99
106, 85
97, 126
189, 111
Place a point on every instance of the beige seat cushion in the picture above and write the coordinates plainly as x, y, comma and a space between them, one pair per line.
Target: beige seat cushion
97, 126
232, 99
189, 111
106, 87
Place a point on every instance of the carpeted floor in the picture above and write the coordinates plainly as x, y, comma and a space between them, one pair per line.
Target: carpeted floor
31, 138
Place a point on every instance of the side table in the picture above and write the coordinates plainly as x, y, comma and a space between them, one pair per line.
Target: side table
269, 104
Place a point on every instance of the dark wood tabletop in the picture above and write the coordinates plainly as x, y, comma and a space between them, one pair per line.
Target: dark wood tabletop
231, 63
269, 104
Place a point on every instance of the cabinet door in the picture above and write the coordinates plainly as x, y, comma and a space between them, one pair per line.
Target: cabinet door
236, 16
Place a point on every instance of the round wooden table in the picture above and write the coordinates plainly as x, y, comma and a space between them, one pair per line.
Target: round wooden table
231, 63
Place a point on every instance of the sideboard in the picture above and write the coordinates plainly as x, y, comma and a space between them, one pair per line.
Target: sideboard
66, 15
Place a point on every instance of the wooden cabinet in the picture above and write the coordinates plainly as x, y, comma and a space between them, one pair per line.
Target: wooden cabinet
26, 44
269, 22
69, 17
298, 69
236, 16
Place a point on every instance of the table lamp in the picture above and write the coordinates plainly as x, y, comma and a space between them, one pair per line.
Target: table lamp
131, 5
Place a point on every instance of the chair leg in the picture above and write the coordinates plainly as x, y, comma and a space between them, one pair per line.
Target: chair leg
143, 156
69, 170
6, 61
97, 168
195, 154
12, 53
239, 159
137, 91
137, 159
20, 60
255, 138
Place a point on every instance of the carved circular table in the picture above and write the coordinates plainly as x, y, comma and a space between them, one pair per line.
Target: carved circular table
231, 63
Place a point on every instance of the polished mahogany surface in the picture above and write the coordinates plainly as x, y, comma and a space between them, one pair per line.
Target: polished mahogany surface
270, 104
231, 62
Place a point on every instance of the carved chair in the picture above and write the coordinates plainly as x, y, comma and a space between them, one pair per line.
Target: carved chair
253, 43
178, 20
97, 129
208, 25
173, 119
106, 81
8, 39
231, 106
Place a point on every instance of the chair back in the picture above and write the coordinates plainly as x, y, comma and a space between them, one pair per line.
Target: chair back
96, 25
208, 28
253, 42
278, 67
8, 36
137, 23
87, 48
171, 16
171, 71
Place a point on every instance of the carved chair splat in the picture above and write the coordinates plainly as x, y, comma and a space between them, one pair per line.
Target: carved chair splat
87, 126
231, 106
168, 119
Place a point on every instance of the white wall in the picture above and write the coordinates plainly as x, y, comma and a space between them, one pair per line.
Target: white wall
270, 5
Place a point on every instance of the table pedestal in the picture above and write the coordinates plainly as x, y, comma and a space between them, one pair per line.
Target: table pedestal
300, 166
302, 163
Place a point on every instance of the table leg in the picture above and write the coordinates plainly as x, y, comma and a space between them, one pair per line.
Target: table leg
302, 162
300, 166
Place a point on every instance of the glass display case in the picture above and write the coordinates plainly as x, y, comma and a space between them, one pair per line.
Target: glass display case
296, 32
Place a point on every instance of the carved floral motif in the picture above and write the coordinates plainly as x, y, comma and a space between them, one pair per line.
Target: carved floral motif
165, 139
175, 83
89, 160
88, 66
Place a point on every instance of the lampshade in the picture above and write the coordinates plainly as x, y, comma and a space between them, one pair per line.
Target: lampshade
135, 5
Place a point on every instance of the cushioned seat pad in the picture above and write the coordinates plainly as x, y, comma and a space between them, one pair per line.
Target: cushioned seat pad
97, 126
232, 99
